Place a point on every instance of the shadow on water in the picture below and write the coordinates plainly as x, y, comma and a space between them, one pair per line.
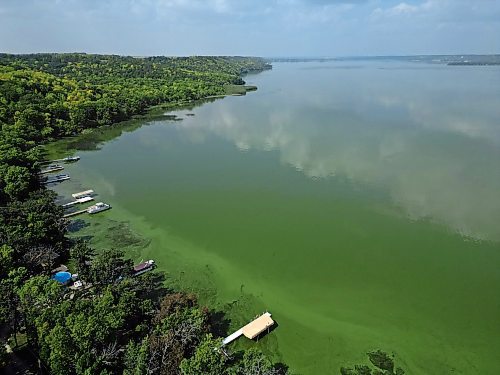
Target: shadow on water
219, 323
87, 238
77, 225
282, 368
152, 285
267, 331
91, 139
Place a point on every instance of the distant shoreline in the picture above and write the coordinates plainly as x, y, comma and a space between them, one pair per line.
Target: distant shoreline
457, 60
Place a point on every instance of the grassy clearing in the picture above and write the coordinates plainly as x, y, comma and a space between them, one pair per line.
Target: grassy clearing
238, 89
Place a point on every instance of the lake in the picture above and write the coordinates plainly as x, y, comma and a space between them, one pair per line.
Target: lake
357, 201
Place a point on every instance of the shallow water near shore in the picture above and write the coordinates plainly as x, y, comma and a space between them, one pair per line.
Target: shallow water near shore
358, 202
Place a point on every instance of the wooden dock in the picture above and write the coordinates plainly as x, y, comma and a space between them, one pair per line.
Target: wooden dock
252, 329
57, 179
52, 170
71, 214
81, 194
78, 201
96, 208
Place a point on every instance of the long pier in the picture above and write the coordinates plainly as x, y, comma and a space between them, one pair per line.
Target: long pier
68, 159
78, 201
96, 208
75, 213
57, 179
53, 169
233, 336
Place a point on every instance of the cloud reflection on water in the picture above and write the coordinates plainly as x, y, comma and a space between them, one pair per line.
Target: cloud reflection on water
438, 159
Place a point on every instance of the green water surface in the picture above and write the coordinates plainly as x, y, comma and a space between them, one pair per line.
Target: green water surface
358, 202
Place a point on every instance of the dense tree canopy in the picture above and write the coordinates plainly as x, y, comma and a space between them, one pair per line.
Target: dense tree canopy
114, 323
49, 95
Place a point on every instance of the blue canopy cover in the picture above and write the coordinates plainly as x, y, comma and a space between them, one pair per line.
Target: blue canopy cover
62, 277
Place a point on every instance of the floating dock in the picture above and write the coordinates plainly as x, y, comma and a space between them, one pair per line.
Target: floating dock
52, 168
252, 329
78, 201
56, 179
82, 194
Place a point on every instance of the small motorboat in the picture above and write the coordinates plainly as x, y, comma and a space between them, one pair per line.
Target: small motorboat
98, 207
71, 159
146, 266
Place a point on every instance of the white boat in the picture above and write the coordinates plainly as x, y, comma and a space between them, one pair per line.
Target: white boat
84, 199
98, 207
71, 158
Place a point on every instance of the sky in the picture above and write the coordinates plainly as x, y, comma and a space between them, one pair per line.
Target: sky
269, 28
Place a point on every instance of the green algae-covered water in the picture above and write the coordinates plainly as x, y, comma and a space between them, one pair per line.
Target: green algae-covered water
359, 202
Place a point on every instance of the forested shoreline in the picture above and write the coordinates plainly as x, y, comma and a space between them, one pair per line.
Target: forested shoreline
54, 95
121, 324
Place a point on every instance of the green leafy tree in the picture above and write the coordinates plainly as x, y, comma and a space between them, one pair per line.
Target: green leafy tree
136, 358
37, 296
109, 267
6, 260
120, 324
254, 362
17, 181
33, 222
10, 301
207, 359
82, 255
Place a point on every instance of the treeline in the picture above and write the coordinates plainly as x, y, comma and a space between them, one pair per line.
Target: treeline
54, 95
116, 323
